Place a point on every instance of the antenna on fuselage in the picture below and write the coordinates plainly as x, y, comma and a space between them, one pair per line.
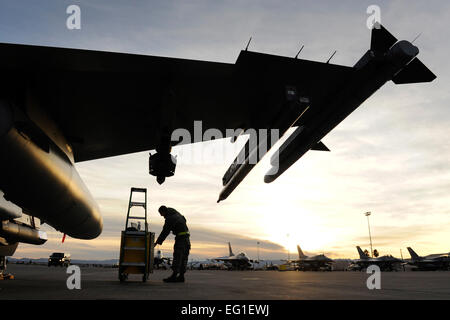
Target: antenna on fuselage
299, 51
328, 61
248, 43
417, 37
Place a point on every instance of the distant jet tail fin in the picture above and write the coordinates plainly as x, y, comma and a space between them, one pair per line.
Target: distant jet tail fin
301, 255
414, 72
412, 253
362, 255
229, 249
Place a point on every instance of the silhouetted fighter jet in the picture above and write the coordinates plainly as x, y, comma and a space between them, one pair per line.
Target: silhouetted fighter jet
235, 262
439, 261
62, 106
385, 263
313, 263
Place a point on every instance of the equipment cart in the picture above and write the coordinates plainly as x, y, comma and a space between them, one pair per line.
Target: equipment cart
136, 245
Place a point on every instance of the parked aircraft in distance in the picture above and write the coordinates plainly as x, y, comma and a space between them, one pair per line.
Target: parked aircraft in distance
313, 263
235, 262
430, 262
385, 263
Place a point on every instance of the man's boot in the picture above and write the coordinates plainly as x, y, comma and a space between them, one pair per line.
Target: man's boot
172, 278
180, 278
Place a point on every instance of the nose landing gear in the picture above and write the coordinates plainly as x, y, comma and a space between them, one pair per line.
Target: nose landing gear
3, 274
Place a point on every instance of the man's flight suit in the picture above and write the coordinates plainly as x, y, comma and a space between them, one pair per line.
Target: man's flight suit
176, 223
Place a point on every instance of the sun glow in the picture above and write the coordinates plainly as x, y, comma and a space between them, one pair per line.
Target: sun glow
288, 224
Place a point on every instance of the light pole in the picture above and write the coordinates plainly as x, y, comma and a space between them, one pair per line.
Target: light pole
370, 236
289, 257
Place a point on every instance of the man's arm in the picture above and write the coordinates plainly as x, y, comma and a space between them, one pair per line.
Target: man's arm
165, 231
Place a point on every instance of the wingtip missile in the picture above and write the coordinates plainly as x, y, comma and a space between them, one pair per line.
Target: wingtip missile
257, 146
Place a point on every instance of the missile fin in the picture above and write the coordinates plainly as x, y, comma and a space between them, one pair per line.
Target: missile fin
320, 146
382, 39
414, 72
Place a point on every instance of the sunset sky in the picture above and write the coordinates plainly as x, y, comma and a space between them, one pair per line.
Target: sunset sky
390, 157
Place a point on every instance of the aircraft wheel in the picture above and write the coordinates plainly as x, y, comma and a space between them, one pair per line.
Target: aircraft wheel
122, 277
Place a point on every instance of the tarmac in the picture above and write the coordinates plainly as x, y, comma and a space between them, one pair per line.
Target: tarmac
42, 282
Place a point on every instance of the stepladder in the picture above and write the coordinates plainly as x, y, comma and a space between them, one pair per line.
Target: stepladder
137, 242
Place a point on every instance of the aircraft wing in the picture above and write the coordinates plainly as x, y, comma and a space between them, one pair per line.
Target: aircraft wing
225, 259
108, 104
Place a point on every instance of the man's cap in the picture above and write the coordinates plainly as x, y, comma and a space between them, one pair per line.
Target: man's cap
162, 209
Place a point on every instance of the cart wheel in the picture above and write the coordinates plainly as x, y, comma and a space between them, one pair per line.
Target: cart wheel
144, 278
122, 277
